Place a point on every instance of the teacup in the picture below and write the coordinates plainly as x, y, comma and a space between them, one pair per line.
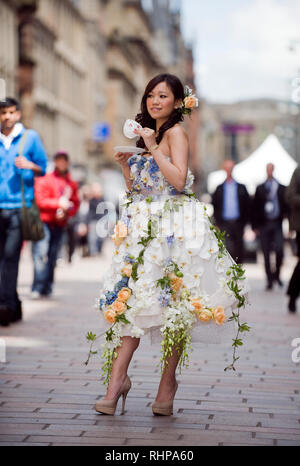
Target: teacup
129, 129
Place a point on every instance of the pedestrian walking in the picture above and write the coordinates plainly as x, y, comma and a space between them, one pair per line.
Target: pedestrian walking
231, 203
94, 215
169, 270
57, 198
15, 168
292, 196
82, 220
269, 209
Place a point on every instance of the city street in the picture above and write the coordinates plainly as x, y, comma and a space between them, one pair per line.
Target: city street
47, 393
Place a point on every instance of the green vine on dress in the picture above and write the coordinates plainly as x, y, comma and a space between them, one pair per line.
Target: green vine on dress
235, 274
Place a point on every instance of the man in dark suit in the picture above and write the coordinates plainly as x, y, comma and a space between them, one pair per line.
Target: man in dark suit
231, 209
269, 209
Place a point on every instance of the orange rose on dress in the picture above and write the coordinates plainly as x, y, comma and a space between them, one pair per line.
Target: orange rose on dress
121, 229
124, 294
116, 240
118, 307
120, 232
205, 315
197, 304
219, 315
110, 315
176, 282
127, 269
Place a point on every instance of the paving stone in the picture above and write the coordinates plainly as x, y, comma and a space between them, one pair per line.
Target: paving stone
288, 443
106, 430
154, 442
278, 436
15, 428
22, 444
11, 438
135, 434
65, 440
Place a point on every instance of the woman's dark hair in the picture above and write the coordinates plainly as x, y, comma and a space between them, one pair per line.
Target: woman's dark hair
144, 117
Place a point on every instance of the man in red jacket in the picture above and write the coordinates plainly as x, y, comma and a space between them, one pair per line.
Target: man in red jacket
56, 195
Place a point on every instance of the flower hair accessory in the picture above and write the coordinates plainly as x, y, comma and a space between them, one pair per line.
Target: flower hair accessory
189, 102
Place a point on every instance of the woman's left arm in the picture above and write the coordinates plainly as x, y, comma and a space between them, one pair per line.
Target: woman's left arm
175, 172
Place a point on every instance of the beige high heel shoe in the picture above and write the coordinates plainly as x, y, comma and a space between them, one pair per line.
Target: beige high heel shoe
110, 406
164, 408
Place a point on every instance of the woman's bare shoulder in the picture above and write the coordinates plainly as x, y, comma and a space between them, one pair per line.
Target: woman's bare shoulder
177, 131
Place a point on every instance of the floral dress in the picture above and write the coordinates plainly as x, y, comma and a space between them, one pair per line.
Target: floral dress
171, 276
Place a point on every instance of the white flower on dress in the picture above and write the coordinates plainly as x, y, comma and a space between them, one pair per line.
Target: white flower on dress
154, 253
136, 331
179, 253
222, 282
146, 178
156, 206
191, 280
192, 245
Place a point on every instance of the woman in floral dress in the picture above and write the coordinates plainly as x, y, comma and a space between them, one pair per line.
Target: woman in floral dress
171, 274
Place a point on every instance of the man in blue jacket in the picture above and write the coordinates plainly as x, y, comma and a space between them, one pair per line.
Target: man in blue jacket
13, 166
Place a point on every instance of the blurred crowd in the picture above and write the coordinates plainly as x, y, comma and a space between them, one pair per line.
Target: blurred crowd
81, 232
69, 215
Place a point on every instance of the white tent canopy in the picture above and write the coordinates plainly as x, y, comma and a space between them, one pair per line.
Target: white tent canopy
252, 171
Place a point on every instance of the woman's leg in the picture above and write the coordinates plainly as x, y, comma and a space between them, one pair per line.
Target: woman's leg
167, 386
120, 366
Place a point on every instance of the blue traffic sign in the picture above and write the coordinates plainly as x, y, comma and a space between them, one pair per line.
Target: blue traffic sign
101, 132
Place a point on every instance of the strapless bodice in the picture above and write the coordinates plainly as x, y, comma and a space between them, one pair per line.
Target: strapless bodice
148, 180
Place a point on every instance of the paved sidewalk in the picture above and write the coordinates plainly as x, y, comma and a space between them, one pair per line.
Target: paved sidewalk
47, 393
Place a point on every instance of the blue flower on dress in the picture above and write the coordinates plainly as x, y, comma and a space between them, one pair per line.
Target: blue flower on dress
125, 219
141, 163
165, 296
173, 191
129, 259
101, 303
170, 240
168, 262
110, 297
132, 160
118, 286
137, 182
153, 167
124, 281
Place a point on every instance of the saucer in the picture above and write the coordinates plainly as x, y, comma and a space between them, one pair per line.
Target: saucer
129, 149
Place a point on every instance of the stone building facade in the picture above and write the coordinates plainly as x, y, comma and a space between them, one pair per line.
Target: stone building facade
81, 64
8, 45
